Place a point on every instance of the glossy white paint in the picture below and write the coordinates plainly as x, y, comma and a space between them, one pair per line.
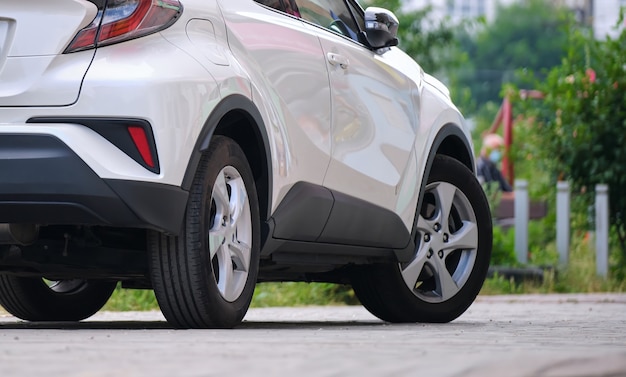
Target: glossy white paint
374, 122
49, 80
285, 64
44, 27
138, 79
32, 35
135, 79
364, 129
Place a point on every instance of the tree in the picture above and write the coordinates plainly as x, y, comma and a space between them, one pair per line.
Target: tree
582, 129
526, 35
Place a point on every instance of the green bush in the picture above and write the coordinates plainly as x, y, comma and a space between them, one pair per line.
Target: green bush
581, 122
503, 251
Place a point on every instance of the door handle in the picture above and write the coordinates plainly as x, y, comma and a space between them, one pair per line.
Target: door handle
336, 59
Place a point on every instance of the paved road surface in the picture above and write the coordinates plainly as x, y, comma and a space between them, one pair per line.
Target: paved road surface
531, 335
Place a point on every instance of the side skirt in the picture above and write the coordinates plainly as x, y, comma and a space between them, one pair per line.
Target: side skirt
324, 229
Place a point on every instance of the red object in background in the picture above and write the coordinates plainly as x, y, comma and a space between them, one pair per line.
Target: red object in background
505, 116
591, 74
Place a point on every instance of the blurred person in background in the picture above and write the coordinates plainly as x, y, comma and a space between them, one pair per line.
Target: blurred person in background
487, 164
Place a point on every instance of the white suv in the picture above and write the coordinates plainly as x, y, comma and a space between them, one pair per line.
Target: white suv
195, 147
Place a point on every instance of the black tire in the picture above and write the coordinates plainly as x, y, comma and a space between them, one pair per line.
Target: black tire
194, 288
451, 259
34, 299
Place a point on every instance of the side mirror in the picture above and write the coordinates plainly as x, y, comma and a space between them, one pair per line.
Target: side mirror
381, 27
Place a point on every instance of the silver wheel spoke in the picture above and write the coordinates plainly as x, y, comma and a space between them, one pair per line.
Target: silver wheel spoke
238, 199
446, 286
220, 195
216, 240
240, 254
230, 238
412, 272
445, 198
423, 225
464, 238
225, 264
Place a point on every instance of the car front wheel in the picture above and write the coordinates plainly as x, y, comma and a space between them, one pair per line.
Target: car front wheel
448, 268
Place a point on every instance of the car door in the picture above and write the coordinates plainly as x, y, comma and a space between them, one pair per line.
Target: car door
288, 73
374, 111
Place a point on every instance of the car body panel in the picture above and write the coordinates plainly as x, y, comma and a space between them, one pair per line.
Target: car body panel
33, 35
374, 124
284, 62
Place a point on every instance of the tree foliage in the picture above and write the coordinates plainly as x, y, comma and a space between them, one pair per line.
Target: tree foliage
581, 131
525, 35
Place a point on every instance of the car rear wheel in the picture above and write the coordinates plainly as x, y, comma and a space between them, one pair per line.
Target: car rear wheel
205, 277
454, 239
37, 299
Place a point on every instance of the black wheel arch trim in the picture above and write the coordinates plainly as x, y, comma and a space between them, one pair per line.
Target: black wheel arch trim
447, 131
246, 107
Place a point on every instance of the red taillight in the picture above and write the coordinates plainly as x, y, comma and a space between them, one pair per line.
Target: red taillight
138, 134
122, 20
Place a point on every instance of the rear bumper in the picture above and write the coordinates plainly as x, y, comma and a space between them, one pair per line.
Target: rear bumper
42, 181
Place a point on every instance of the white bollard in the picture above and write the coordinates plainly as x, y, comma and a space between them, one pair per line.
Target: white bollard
521, 220
562, 221
602, 230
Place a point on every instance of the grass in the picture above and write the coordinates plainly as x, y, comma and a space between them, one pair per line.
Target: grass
131, 300
301, 294
265, 295
579, 277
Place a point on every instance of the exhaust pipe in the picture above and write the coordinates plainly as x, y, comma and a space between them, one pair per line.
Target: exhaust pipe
18, 234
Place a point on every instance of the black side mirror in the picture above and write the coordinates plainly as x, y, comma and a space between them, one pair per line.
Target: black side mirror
381, 27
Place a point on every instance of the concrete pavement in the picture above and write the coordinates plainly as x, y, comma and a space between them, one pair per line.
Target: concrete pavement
529, 335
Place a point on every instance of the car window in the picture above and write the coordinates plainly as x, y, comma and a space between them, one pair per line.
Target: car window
276, 4
331, 14
292, 8
357, 12
287, 6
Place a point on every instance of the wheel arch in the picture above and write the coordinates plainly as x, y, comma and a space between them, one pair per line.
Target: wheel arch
237, 117
451, 141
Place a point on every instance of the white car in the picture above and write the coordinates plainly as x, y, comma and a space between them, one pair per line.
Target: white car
197, 147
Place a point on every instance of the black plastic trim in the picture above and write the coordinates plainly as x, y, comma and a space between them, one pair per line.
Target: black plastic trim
245, 107
45, 182
303, 212
115, 130
158, 206
357, 222
316, 214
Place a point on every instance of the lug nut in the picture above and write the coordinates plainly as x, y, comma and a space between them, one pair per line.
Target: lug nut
445, 237
440, 253
437, 227
430, 253
427, 237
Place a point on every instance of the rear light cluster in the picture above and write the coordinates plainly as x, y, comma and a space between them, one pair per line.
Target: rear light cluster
121, 20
